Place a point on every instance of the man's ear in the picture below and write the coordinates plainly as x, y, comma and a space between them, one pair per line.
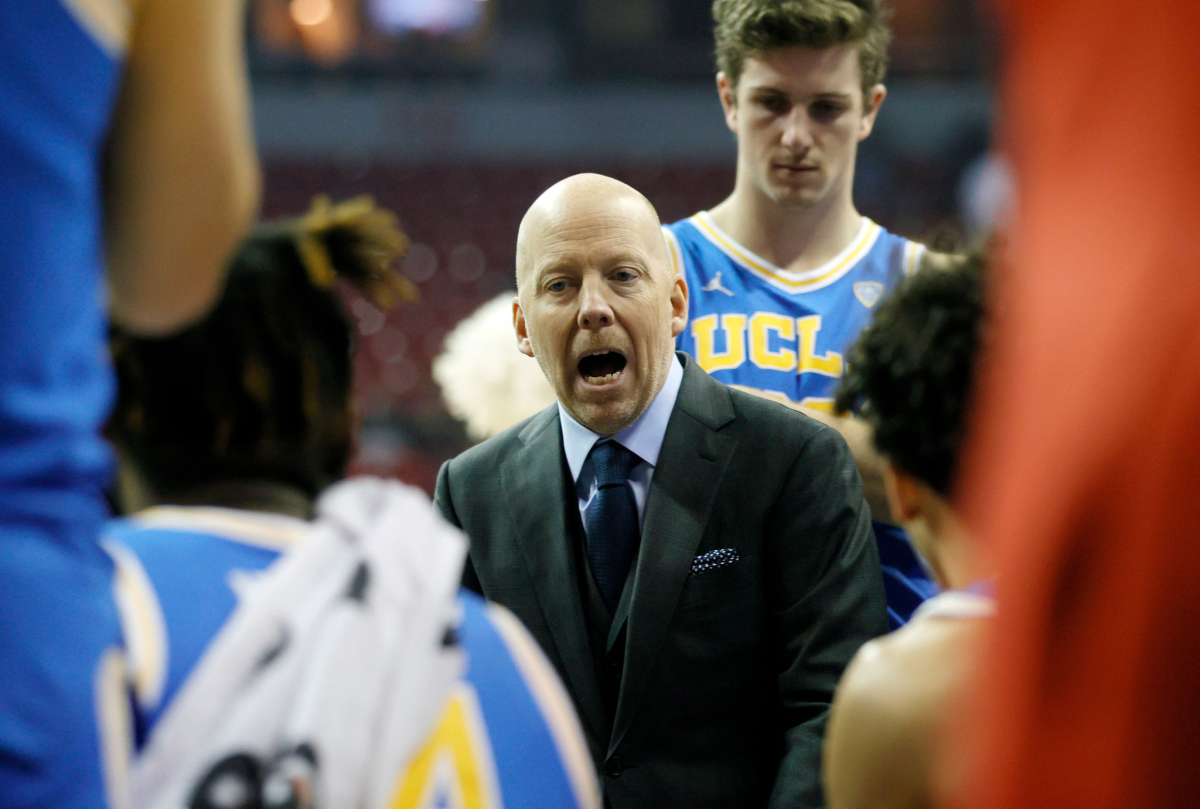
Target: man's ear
871, 104
727, 92
903, 493
522, 330
679, 305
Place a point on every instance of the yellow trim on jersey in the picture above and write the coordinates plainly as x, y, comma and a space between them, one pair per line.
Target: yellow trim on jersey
457, 755
675, 252
912, 256
108, 22
807, 282
268, 531
145, 628
114, 724
552, 700
821, 403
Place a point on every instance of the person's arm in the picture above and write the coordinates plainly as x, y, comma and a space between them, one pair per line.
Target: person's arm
825, 597
181, 174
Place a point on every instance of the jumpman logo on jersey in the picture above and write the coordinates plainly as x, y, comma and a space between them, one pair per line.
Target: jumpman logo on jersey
715, 286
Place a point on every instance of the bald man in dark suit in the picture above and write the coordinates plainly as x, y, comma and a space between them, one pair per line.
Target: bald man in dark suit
696, 562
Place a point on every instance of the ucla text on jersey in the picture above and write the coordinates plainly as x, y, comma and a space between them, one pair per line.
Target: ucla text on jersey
754, 325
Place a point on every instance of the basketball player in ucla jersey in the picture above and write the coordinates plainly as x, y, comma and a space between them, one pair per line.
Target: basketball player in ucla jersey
228, 431
127, 174
784, 273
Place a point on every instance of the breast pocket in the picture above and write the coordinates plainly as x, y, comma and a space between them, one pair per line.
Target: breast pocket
727, 581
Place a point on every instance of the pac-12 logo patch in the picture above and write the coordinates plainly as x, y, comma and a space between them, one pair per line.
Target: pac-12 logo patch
868, 292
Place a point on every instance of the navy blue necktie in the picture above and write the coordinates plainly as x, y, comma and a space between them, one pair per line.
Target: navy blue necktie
612, 520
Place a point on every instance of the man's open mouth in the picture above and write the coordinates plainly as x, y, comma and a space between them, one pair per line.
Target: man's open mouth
602, 366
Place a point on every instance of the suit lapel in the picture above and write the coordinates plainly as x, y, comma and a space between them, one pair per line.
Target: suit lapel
535, 479
692, 462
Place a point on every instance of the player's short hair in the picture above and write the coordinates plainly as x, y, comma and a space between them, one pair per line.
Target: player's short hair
910, 372
260, 389
747, 27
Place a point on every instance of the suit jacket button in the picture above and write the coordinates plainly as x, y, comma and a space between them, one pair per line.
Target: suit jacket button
614, 767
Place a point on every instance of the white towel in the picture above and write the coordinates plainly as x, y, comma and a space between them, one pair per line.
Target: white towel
330, 672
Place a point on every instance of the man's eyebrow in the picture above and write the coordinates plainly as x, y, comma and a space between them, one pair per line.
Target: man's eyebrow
831, 95
552, 266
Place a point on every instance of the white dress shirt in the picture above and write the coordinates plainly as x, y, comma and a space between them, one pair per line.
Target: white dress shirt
643, 438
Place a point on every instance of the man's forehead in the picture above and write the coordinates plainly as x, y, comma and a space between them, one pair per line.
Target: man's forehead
800, 69
581, 245
595, 224
594, 221
587, 215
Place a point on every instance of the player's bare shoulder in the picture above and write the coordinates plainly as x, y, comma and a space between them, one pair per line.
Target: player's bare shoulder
888, 712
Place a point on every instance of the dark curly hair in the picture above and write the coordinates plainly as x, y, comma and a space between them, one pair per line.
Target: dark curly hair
260, 389
910, 372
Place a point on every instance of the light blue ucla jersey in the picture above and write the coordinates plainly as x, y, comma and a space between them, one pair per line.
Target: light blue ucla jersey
754, 325
60, 69
506, 737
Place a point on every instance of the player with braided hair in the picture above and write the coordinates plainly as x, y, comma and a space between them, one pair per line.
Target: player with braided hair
232, 431
254, 401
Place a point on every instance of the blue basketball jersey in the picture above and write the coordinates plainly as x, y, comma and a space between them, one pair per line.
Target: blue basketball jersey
755, 326
507, 726
60, 67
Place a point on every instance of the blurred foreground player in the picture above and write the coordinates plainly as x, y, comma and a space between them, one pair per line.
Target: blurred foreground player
125, 155
234, 428
1082, 476
910, 378
785, 271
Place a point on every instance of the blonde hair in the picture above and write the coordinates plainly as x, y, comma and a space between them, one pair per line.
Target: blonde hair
486, 381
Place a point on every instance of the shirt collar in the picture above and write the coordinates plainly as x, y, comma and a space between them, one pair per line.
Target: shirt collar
643, 438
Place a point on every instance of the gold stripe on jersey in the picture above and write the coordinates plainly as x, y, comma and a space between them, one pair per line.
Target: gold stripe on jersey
114, 722
554, 703
912, 256
143, 625
815, 279
264, 531
108, 22
673, 249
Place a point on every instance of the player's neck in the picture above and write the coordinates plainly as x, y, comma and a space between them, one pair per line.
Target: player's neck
792, 238
955, 560
247, 495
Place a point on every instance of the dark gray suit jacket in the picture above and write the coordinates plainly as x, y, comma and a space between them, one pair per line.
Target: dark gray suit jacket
728, 673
